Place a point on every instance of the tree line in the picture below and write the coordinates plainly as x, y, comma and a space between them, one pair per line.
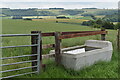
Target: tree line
102, 23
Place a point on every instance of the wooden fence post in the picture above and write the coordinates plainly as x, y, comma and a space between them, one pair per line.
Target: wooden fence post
57, 48
34, 49
103, 35
118, 40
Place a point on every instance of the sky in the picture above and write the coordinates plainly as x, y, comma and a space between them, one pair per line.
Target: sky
60, 0
67, 4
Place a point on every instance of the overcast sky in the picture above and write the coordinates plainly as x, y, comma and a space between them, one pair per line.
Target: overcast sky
59, 0
59, 3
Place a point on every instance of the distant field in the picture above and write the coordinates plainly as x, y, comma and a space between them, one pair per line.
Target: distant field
46, 13
99, 70
45, 17
54, 17
100, 16
115, 22
61, 20
94, 11
45, 25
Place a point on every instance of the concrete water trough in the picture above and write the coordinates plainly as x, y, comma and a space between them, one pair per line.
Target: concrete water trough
92, 51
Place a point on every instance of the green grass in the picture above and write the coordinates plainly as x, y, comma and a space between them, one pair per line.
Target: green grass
99, 70
86, 18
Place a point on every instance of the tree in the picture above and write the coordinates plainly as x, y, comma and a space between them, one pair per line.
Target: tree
93, 17
117, 26
96, 26
108, 25
99, 21
88, 23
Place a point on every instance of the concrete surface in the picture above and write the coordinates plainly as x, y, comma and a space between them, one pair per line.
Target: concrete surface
96, 50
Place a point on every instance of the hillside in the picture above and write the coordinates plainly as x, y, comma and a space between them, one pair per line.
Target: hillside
111, 18
101, 11
56, 12
39, 12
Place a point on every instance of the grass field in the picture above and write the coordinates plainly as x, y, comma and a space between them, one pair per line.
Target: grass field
99, 70
75, 21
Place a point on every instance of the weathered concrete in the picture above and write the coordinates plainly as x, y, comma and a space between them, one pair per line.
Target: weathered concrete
96, 50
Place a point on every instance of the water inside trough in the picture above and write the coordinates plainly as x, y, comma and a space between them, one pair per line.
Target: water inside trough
80, 50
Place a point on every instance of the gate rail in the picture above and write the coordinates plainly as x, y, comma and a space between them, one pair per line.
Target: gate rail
37, 54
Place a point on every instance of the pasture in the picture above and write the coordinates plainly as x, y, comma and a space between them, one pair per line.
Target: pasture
99, 70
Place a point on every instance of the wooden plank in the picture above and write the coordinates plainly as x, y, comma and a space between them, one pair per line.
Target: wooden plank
45, 34
48, 46
48, 34
57, 48
52, 33
34, 50
41, 52
103, 35
63, 33
82, 34
118, 40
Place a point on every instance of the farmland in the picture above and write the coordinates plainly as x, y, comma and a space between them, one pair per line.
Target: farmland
48, 12
99, 70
